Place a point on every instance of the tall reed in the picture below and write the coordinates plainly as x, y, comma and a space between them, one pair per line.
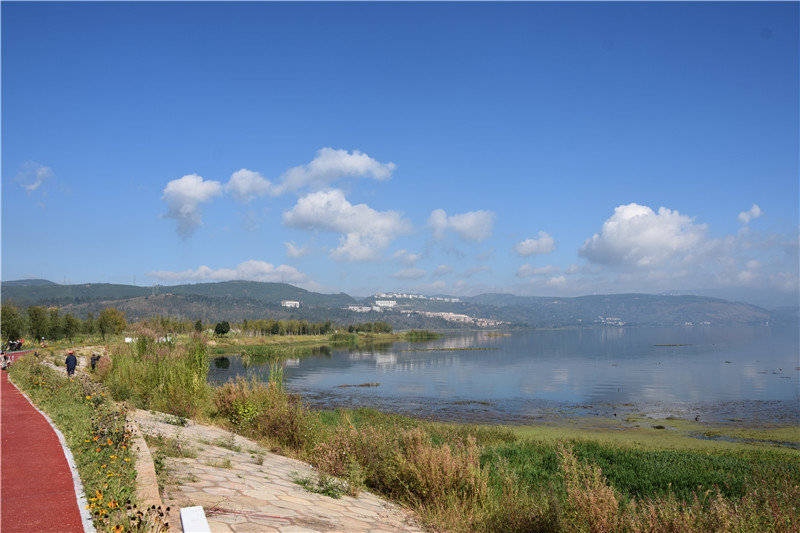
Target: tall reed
163, 376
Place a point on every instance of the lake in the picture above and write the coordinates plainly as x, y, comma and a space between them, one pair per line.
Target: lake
747, 373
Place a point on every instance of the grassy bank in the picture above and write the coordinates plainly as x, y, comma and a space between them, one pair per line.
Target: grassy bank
475, 478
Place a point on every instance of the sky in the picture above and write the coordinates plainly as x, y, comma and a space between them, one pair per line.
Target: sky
531, 148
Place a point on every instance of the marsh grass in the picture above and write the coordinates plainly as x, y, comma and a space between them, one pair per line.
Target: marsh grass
162, 376
475, 479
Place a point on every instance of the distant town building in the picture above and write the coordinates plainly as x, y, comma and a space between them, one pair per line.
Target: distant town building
385, 303
290, 303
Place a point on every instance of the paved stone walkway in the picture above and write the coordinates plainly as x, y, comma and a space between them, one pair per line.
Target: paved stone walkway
239, 494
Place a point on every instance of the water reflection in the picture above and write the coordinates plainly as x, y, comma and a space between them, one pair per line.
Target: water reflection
521, 374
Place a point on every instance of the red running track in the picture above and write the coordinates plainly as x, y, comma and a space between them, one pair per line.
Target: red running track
37, 493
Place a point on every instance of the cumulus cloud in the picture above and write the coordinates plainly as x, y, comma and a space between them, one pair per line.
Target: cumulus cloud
251, 270
474, 226
330, 165
636, 236
442, 270
406, 257
366, 232
410, 273
246, 185
527, 270
544, 244
754, 212
32, 175
183, 196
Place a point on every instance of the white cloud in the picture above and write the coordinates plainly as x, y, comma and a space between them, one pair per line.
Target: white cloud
410, 273
636, 236
252, 270
527, 270
746, 216
246, 185
544, 244
474, 226
366, 232
406, 257
294, 252
442, 270
330, 165
32, 175
183, 196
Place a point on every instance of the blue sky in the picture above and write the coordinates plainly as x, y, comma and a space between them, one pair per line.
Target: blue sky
440, 148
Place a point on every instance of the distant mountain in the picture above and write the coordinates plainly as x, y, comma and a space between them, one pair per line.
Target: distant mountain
623, 309
54, 294
240, 300
28, 283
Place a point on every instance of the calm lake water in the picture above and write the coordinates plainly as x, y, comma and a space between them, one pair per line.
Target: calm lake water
748, 373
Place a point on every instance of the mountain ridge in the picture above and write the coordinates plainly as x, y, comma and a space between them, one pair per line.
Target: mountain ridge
239, 300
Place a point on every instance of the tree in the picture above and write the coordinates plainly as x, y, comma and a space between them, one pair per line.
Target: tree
90, 325
54, 325
198, 326
111, 322
71, 325
37, 321
12, 323
222, 328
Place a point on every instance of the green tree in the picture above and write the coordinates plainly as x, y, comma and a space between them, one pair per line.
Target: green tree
111, 322
71, 325
222, 328
90, 325
37, 322
12, 323
54, 324
198, 326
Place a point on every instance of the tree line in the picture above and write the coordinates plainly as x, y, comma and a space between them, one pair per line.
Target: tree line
36, 323
39, 323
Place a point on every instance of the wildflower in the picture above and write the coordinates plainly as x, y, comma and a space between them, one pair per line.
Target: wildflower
97, 450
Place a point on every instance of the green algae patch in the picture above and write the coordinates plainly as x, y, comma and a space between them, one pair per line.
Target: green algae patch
665, 434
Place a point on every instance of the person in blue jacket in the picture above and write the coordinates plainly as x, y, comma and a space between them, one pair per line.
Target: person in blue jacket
71, 363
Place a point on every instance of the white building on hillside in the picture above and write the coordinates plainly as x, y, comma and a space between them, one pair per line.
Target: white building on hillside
290, 303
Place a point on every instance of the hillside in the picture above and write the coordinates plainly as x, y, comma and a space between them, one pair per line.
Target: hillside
241, 300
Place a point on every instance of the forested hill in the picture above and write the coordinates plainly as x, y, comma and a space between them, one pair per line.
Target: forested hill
624, 309
51, 294
240, 300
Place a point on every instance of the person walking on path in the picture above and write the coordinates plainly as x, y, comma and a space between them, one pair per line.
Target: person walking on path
39, 492
71, 363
